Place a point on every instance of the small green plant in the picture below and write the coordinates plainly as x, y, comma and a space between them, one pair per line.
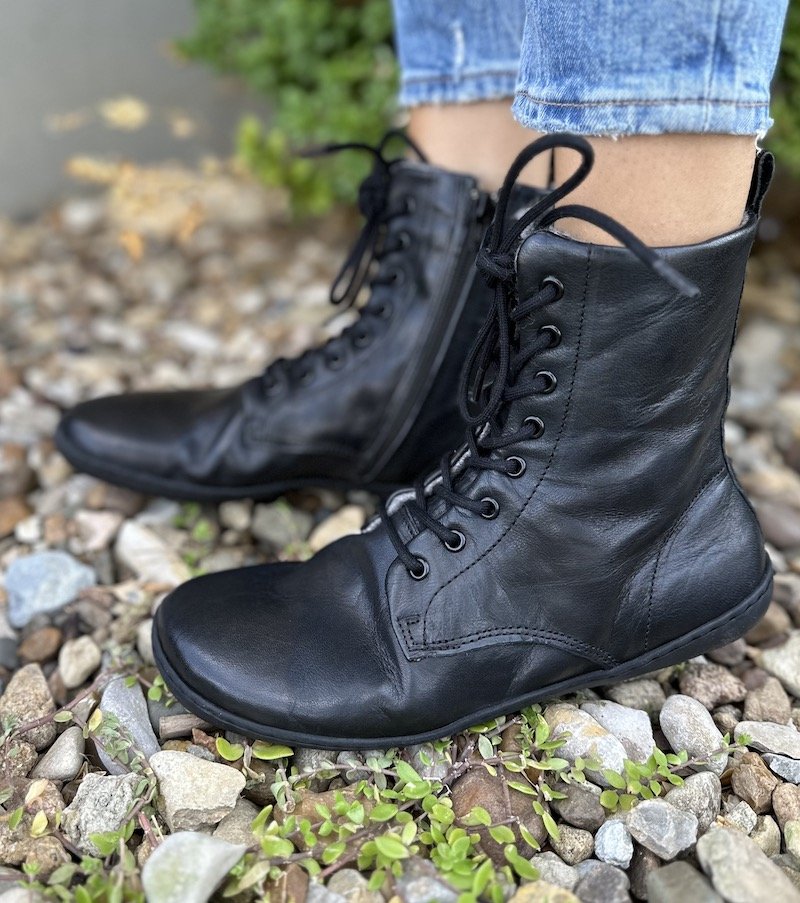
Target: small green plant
327, 68
784, 138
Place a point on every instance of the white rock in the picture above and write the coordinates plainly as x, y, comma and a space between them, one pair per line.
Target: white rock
188, 867
765, 736
78, 660
630, 726
688, 725
584, 738
101, 804
613, 844
145, 553
64, 759
661, 828
346, 521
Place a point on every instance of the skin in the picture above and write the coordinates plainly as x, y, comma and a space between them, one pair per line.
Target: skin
668, 189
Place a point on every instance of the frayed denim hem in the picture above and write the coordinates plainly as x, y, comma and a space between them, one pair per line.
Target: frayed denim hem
465, 87
642, 117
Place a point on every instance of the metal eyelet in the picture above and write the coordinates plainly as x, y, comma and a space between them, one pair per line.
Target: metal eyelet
385, 310
536, 422
550, 381
362, 339
334, 361
423, 572
554, 332
398, 276
493, 508
458, 544
516, 466
559, 286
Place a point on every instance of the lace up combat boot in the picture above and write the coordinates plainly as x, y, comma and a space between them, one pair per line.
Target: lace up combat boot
368, 409
590, 529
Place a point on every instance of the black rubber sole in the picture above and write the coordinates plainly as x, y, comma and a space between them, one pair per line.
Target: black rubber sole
719, 632
196, 492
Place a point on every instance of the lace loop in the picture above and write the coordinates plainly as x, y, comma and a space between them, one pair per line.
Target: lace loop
491, 376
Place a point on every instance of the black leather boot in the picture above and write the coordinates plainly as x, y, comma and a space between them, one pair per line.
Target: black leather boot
369, 409
589, 531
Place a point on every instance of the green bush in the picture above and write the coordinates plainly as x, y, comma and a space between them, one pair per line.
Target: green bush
784, 138
328, 68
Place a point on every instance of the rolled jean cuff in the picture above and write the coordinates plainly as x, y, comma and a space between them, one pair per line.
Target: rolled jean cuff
465, 87
641, 117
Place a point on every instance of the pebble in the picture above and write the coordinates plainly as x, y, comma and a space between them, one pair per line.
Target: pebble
731, 654
194, 793
96, 529
421, 883
700, 794
774, 623
784, 767
280, 525
78, 660
765, 736
783, 662
678, 882
613, 844
573, 845
188, 867
643, 864
740, 815
642, 693
143, 552
768, 702
27, 697
584, 738
600, 882
688, 726
129, 706
235, 515
428, 762
753, 782
318, 893
767, 835
630, 726
580, 807
101, 804
664, 829
41, 645
543, 892
12, 511
346, 521
44, 582
711, 684
352, 886
236, 826
555, 871
144, 641
64, 759
740, 871
786, 803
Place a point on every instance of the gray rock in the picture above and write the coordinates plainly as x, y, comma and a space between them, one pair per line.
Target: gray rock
585, 738
741, 816
600, 882
555, 871
308, 760
783, 766
280, 525
352, 886
711, 684
428, 763
788, 864
318, 893
783, 662
767, 835
194, 793
642, 693
765, 736
102, 803
78, 660
663, 829
630, 726
21, 895
143, 552
421, 883
768, 702
27, 698
580, 807
678, 882
613, 844
235, 827
573, 845
699, 794
43, 582
740, 872
129, 706
687, 725
144, 641
643, 864
64, 759
188, 867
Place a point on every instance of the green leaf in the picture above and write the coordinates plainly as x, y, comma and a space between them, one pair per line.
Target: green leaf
377, 880
381, 812
529, 839
614, 779
406, 773
276, 847
521, 866
501, 834
477, 816
391, 846
551, 826
333, 851
39, 824
609, 799
268, 752
106, 843
231, 752
62, 717
15, 818
485, 747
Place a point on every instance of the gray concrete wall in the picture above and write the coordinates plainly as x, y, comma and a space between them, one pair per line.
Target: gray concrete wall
60, 59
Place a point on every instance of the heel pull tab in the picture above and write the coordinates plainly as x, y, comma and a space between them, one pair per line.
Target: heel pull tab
759, 185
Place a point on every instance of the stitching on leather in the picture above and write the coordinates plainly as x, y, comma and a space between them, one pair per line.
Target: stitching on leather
547, 466
670, 535
585, 650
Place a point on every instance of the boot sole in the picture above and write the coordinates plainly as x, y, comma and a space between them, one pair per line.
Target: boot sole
712, 635
195, 492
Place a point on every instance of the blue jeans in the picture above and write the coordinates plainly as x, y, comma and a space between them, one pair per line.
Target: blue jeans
597, 67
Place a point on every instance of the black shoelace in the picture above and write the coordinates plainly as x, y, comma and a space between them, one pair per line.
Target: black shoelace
493, 374
375, 243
